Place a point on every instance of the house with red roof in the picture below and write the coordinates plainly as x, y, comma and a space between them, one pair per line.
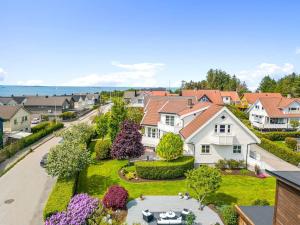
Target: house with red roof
249, 99
210, 131
274, 113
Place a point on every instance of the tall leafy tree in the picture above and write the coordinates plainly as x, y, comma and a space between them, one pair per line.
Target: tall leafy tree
267, 84
128, 142
170, 146
118, 115
102, 124
135, 114
203, 181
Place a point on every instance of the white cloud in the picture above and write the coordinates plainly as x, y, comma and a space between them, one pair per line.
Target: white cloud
140, 74
31, 82
253, 77
2, 74
297, 51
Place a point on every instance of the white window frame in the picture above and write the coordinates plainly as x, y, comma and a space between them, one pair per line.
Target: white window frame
152, 132
237, 149
227, 128
205, 149
170, 120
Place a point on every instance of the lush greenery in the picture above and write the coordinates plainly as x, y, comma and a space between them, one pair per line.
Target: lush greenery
107, 95
117, 116
282, 152
60, 196
229, 215
102, 149
294, 123
291, 142
102, 124
115, 198
289, 84
220, 80
135, 114
67, 115
230, 164
128, 142
170, 146
242, 190
158, 170
10, 150
203, 181
71, 156
260, 202
40, 126
280, 136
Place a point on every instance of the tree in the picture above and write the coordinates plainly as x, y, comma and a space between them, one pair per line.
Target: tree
135, 114
81, 133
115, 198
203, 181
267, 84
118, 115
67, 159
102, 149
295, 124
102, 124
128, 142
170, 146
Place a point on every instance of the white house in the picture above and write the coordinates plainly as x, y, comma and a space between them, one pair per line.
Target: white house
210, 132
274, 113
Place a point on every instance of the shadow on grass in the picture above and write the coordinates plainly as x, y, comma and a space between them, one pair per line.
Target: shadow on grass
221, 198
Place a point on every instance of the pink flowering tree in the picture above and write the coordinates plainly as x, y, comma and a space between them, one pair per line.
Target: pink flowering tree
115, 198
128, 142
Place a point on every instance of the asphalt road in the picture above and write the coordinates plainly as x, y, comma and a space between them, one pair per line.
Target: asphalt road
25, 188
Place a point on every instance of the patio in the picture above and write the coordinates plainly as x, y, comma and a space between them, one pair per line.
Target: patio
158, 204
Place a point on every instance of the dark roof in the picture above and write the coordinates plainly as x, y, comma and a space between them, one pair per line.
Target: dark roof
46, 101
77, 97
7, 112
291, 178
6, 100
19, 99
259, 215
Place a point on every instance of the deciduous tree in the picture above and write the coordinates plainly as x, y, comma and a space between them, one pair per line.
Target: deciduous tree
170, 146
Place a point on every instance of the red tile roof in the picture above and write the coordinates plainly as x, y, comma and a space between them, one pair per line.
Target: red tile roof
200, 120
232, 94
213, 95
252, 97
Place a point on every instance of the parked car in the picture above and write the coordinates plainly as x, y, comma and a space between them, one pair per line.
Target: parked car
43, 162
35, 121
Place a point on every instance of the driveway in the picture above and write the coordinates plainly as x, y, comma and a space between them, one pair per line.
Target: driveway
25, 189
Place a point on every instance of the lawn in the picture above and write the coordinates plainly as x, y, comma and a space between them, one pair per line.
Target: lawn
282, 144
234, 189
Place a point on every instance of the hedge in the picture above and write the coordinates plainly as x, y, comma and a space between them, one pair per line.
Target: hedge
284, 153
10, 150
280, 136
40, 126
60, 196
157, 170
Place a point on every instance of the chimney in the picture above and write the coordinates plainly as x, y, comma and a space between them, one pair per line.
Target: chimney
190, 103
288, 96
135, 93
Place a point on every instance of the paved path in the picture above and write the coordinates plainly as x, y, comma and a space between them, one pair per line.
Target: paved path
166, 203
273, 161
25, 189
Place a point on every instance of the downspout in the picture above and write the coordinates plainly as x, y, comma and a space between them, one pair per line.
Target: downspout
247, 153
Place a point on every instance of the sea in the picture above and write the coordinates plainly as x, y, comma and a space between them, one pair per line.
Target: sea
18, 90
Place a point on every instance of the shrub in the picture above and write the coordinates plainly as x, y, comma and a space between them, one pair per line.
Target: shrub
282, 152
102, 149
291, 142
80, 208
244, 172
67, 115
60, 196
40, 126
158, 170
280, 136
115, 198
260, 202
221, 164
229, 215
230, 164
170, 147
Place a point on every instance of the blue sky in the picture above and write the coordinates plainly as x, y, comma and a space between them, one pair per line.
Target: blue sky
145, 43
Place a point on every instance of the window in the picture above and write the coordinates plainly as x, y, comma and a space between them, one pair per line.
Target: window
205, 149
228, 129
15, 121
25, 118
216, 128
151, 132
222, 128
170, 120
237, 149
140, 101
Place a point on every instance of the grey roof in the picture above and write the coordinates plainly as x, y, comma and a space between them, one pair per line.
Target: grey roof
7, 112
6, 100
291, 178
91, 96
131, 94
260, 215
19, 99
77, 97
46, 100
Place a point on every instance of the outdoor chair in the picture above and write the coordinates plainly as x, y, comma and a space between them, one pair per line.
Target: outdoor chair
147, 215
186, 196
184, 213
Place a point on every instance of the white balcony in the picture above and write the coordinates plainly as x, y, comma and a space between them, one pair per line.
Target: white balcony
150, 142
271, 126
223, 139
167, 128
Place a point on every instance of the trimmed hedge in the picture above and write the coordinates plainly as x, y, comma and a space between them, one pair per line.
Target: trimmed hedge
60, 196
284, 153
102, 149
12, 149
280, 136
40, 126
158, 170
291, 142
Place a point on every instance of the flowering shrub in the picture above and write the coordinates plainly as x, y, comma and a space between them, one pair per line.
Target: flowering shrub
115, 198
79, 209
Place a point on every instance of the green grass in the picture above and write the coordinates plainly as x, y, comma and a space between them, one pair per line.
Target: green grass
242, 190
282, 144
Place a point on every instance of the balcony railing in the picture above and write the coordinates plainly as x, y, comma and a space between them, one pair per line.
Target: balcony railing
226, 139
168, 128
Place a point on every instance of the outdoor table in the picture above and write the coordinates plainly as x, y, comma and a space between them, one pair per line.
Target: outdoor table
170, 214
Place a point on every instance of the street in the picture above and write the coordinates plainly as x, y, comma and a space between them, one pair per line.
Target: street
25, 188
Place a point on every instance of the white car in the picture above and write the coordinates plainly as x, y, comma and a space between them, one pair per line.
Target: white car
35, 121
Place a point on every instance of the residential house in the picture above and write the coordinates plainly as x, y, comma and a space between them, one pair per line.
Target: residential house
210, 132
15, 118
249, 99
92, 99
8, 101
274, 113
48, 105
1, 133
79, 101
287, 203
135, 98
214, 96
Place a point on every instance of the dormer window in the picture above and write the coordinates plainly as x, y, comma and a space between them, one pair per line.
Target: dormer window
170, 120
222, 128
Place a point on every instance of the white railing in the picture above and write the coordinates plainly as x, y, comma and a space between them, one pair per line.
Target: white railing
223, 139
150, 142
271, 126
168, 128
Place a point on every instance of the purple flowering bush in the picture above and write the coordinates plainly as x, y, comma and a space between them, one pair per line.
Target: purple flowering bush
115, 198
80, 208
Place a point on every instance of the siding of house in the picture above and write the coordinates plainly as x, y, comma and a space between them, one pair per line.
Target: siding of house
22, 124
